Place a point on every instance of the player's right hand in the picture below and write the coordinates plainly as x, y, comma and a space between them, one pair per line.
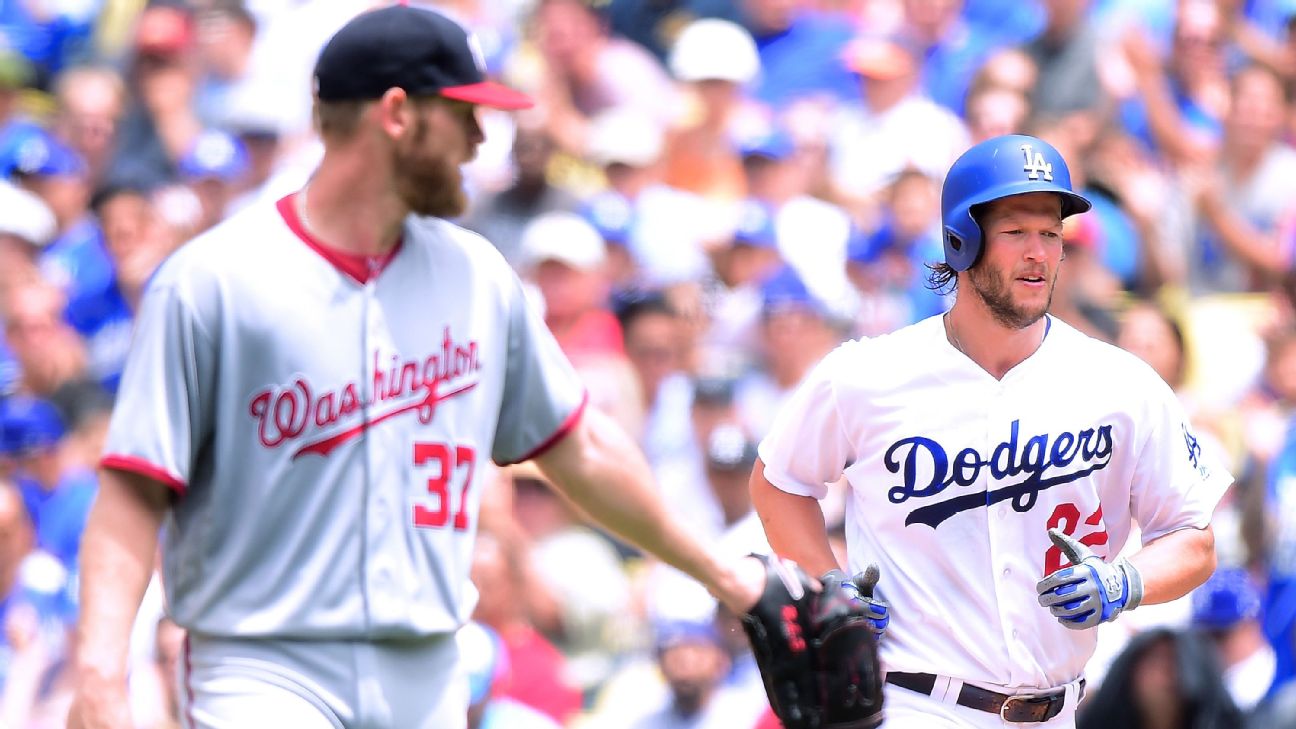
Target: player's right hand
860, 588
1090, 591
100, 706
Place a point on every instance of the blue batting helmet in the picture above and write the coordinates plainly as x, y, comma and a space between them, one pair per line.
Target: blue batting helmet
1013, 164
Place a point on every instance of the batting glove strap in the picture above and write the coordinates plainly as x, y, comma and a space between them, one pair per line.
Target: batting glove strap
1133, 583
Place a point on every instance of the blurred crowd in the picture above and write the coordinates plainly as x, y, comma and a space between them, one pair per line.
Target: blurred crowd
708, 196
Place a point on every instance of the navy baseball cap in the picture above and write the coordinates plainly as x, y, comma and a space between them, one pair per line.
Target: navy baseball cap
415, 49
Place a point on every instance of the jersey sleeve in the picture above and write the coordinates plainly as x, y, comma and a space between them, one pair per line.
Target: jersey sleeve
1177, 484
543, 395
807, 447
163, 412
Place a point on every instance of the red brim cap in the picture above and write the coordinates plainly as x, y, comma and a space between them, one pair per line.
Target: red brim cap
489, 93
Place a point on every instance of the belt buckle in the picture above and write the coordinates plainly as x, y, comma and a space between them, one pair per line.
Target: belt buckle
1030, 700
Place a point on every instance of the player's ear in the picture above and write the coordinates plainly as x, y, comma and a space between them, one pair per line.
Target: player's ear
395, 112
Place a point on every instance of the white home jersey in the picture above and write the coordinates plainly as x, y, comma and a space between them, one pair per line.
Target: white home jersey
956, 478
326, 418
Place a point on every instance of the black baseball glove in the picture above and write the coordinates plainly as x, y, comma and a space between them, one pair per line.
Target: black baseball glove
817, 652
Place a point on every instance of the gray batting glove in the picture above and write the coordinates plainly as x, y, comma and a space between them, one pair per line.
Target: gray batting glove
1090, 591
860, 587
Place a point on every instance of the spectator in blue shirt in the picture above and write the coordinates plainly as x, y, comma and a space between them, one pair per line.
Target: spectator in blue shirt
800, 53
57, 494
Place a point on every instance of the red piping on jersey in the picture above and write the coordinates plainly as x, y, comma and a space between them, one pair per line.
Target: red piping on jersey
137, 465
557, 435
188, 684
358, 267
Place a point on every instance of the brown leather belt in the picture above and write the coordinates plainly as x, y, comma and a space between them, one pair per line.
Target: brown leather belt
1021, 708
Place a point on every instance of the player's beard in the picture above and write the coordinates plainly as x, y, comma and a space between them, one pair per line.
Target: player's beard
429, 183
994, 288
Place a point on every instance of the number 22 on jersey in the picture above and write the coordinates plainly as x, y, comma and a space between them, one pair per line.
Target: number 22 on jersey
1067, 518
448, 462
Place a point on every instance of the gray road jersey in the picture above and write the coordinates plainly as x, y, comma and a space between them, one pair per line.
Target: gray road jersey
326, 419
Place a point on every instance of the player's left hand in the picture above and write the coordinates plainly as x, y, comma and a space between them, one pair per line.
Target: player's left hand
1090, 591
860, 589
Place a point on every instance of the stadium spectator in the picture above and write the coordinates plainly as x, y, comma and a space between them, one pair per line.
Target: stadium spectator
1240, 198
1162, 679
717, 62
56, 490
25, 229
1227, 609
501, 570
693, 664
588, 71
888, 266
800, 50
487, 666
501, 216
89, 104
952, 48
797, 329
1066, 54
161, 121
896, 126
33, 616
48, 351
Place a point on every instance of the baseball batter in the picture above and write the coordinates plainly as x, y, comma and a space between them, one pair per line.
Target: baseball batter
313, 391
987, 450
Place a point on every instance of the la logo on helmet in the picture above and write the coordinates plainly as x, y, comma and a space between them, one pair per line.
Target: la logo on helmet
1035, 164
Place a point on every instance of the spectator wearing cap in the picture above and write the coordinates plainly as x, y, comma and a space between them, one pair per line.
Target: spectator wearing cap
694, 663
587, 71
500, 217
951, 48
798, 50
730, 456
488, 666
888, 266
667, 226
613, 216
1227, 609
223, 39
45, 165
797, 330
895, 127
76, 261
34, 610
741, 266
565, 257
213, 169
253, 115
812, 234
56, 491
161, 123
26, 227
717, 63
